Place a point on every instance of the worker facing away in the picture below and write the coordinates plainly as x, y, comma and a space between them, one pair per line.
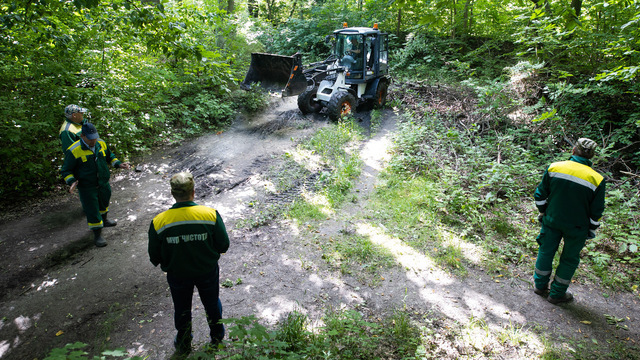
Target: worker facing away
570, 199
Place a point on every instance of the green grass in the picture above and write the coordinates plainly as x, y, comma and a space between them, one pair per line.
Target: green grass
303, 211
400, 333
335, 145
357, 255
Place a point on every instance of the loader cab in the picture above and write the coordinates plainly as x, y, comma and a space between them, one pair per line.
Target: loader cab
363, 51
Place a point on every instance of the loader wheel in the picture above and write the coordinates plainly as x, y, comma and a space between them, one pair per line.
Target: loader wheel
341, 104
306, 104
381, 95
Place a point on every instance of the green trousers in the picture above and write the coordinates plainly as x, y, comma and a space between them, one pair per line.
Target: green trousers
95, 203
549, 241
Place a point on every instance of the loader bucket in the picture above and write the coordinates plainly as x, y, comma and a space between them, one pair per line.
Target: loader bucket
277, 72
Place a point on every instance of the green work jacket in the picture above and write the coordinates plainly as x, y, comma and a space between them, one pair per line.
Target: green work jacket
187, 239
69, 133
91, 170
571, 194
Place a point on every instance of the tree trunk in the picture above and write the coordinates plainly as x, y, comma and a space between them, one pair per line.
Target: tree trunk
252, 7
270, 4
545, 3
293, 9
467, 15
399, 22
453, 19
577, 7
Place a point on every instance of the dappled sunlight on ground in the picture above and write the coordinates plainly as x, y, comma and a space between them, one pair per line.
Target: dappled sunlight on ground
472, 252
4, 347
375, 153
22, 324
238, 202
486, 324
406, 256
320, 201
434, 283
47, 284
276, 308
307, 158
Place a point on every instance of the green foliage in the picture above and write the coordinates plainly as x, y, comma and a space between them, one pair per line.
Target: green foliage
253, 341
445, 59
147, 74
74, 352
293, 331
298, 35
481, 179
303, 211
581, 71
357, 255
253, 100
617, 244
350, 335
287, 35
346, 334
590, 108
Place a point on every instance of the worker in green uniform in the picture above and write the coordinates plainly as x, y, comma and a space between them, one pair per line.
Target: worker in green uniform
186, 241
86, 167
570, 199
72, 127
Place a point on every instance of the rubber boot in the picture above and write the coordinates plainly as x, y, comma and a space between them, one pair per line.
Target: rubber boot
108, 223
97, 238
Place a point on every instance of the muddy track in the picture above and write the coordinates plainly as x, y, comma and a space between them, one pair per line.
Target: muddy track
58, 288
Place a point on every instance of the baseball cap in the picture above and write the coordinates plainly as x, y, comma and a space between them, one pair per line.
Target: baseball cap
587, 146
90, 131
182, 183
72, 109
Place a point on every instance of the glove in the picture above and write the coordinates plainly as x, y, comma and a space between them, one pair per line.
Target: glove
540, 216
592, 234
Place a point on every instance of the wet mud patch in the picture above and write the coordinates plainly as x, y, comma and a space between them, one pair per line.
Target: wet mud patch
60, 220
288, 183
203, 169
282, 123
22, 279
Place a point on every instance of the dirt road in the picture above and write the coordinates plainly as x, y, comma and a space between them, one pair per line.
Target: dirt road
58, 288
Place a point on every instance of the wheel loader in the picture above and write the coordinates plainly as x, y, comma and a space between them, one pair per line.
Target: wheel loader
356, 72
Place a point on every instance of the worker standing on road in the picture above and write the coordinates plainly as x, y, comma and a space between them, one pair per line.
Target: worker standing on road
72, 127
570, 199
86, 167
187, 241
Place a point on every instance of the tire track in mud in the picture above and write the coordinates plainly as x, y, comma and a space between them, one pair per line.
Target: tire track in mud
70, 285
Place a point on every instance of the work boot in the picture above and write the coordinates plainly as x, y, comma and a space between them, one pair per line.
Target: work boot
108, 223
541, 292
97, 238
183, 348
567, 297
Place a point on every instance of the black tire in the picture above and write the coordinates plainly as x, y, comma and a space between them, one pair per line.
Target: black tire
342, 104
381, 95
306, 104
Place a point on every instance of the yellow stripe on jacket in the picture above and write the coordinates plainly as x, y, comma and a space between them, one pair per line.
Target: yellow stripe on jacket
72, 127
577, 173
190, 215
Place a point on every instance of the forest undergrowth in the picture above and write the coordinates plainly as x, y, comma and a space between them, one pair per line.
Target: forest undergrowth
489, 166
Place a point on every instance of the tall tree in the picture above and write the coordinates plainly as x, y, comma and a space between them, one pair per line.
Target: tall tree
577, 7
467, 17
539, 4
